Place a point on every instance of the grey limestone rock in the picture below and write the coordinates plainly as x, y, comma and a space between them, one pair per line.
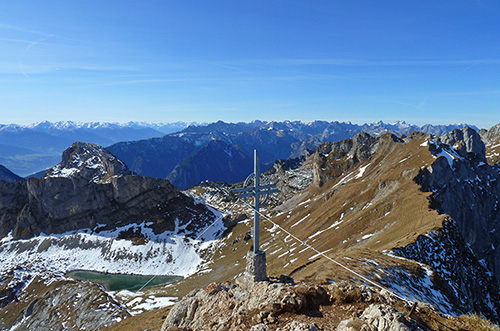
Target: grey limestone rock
333, 159
377, 317
492, 135
467, 142
88, 187
79, 306
227, 306
89, 161
297, 326
259, 327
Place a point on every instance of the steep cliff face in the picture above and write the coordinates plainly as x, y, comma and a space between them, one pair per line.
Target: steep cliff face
460, 249
468, 190
57, 205
89, 187
331, 160
466, 142
465, 280
492, 140
491, 135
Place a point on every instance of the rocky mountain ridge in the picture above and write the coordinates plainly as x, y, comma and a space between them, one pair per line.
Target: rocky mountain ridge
491, 139
88, 161
274, 140
91, 213
463, 187
27, 149
88, 187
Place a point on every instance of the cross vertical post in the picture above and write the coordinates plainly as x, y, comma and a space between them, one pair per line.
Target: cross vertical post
256, 216
256, 259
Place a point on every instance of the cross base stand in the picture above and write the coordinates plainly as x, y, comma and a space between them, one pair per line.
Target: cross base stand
256, 267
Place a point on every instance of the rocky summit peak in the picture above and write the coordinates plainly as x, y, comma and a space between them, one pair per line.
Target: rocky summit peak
467, 142
89, 161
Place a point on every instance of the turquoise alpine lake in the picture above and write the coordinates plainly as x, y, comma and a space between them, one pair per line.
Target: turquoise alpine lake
117, 282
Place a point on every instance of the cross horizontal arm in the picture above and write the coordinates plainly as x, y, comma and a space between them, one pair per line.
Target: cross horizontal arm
243, 189
245, 195
267, 186
269, 191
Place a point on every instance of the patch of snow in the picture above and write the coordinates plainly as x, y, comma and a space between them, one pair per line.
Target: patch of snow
450, 157
303, 202
361, 171
301, 220
156, 302
366, 236
168, 253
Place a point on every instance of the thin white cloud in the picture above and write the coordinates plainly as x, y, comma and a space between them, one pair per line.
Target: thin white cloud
21, 41
236, 78
362, 62
20, 29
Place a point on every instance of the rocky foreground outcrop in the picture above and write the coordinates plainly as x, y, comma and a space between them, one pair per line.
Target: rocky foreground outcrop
279, 306
274, 305
56, 305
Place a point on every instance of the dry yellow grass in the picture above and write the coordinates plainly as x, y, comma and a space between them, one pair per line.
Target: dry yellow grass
357, 216
493, 152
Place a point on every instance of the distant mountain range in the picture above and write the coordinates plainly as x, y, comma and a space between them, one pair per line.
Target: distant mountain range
185, 153
188, 157
26, 149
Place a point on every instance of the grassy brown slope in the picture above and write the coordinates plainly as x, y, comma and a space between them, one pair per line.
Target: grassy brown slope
385, 202
375, 212
381, 209
493, 152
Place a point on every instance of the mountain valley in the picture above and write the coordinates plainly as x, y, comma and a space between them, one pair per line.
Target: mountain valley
366, 221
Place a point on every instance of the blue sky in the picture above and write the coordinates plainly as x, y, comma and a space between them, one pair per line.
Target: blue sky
239, 60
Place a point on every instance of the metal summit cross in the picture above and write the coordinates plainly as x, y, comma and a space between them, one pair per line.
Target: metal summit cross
256, 259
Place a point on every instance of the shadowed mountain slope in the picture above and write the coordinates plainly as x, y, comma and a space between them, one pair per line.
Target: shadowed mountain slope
216, 160
7, 175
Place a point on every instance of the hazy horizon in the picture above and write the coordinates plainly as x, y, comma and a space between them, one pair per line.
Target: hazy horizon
424, 62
